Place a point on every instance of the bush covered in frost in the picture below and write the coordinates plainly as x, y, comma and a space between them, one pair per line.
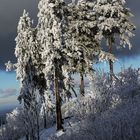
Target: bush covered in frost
110, 111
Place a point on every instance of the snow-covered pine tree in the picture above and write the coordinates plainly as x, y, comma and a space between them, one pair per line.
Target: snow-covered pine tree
52, 26
82, 21
39, 77
27, 73
84, 38
114, 24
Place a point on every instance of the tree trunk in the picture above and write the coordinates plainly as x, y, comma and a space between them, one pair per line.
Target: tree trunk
110, 61
58, 101
27, 137
38, 136
45, 120
44, 115
82, 88
82, 85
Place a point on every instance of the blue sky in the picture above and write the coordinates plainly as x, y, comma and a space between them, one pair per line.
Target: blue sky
10, 11
9, 88
126, 62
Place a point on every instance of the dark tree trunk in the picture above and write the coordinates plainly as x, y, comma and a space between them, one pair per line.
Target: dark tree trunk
45, 120
44, 115
82, 88
82, 85
58, 101
38, 136
27, 137
110, 61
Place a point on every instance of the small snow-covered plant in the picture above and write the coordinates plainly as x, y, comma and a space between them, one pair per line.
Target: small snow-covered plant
128, 82
110, 93
19, 123
14, 127
114, 24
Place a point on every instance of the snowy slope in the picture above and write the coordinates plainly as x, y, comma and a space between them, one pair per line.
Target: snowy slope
111, 116
108, 111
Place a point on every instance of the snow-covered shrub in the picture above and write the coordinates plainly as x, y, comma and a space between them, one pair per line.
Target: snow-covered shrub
14, 127
109, 112
20, 122
110, 93
120, 123
103, 94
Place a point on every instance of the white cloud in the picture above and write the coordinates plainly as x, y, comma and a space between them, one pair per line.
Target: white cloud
7, 92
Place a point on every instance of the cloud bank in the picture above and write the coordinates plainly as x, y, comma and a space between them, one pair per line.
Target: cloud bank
7, 92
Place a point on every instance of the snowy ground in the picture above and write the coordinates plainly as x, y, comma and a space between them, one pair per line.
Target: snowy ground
106, 112
44, 134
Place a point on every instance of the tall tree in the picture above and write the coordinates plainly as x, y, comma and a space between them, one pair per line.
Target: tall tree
27, 72
84, 39
114, 24
52, 25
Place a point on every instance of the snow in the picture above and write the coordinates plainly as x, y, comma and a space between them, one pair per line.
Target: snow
105, 108
46, 133
105, 119
114, 21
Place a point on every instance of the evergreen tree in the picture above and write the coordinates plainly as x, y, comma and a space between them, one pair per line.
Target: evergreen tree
84, 39
114, 24
52, 26
27, 73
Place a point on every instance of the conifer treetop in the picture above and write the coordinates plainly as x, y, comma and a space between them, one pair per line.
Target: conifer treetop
114, 21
